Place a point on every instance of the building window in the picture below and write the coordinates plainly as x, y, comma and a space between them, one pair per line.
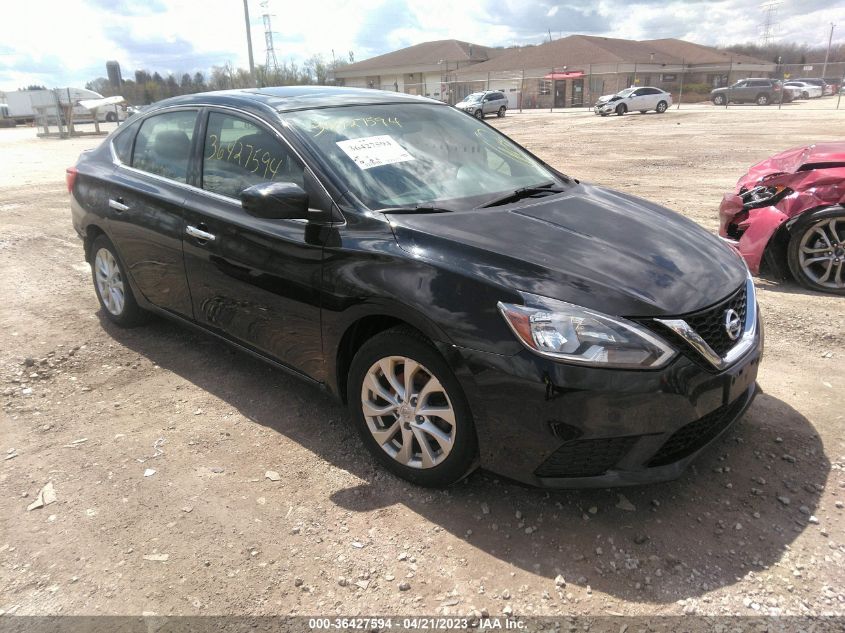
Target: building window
668, 78
544, 87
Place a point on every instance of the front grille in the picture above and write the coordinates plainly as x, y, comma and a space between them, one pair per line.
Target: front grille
710, 323
586, 458
691, 437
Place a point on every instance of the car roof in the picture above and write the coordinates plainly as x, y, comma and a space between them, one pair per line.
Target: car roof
291, 98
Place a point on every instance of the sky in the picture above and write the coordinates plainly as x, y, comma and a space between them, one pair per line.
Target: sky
61, 43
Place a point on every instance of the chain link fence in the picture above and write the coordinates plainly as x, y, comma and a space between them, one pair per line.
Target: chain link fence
559, 89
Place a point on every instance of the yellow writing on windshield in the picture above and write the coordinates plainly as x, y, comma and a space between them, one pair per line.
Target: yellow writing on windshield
341, 125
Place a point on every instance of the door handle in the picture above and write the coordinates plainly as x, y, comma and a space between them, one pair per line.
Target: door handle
200, 234
118, 205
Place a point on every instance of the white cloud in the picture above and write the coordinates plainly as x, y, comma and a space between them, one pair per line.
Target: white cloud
61, 43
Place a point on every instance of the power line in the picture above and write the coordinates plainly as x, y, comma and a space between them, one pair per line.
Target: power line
271, 63
767, 29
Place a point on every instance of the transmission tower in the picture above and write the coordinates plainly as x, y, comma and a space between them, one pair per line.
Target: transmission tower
767, 29
271, 63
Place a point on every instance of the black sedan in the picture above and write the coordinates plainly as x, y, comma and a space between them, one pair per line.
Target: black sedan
471, 304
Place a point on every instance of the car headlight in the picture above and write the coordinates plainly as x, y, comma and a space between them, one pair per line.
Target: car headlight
763, 196
570, 333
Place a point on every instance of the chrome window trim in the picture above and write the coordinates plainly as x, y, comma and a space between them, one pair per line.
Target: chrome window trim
743, 345
198, 107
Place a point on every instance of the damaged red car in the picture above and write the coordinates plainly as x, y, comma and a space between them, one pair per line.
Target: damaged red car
788, 215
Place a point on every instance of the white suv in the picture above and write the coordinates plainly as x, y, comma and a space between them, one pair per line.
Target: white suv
633, 99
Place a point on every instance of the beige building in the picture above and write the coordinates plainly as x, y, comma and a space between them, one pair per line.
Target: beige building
421, 69
569, 72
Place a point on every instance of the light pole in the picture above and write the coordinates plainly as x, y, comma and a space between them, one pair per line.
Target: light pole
249, 43
827, 54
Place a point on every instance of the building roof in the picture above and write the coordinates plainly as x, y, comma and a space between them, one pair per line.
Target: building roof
425, 54
692, 53
582, 50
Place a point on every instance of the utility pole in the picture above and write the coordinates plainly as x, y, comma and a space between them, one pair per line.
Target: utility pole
249, 44
827, 54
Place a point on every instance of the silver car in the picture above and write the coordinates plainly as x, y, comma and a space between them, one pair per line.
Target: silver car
633, 99
488, 102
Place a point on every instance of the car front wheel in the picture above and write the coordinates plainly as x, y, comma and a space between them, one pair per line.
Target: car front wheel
479, 114
112, 286
719, 100
621, 109
816, 252
410, 410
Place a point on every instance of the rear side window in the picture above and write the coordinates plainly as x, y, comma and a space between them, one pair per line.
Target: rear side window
239, 154
122, 143
163, 144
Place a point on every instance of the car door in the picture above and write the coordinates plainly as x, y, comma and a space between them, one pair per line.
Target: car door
635, 100
256, 281
738, 92
146, 193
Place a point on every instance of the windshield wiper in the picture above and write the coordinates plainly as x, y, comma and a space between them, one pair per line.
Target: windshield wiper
525, 192
420, 208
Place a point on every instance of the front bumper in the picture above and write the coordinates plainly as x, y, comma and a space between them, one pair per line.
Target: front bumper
562, 426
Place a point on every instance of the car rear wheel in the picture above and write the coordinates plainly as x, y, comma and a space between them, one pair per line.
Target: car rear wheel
661, 107
805, 95
410, 410
762, 99
478, 114
719, 100
501, 112
111, 117
112, 286
621, 109
816, 252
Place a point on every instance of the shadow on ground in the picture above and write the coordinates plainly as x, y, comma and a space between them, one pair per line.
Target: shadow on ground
708, 529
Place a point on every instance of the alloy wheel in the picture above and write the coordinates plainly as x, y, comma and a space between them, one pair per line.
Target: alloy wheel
408, 412
821, 253
109, 281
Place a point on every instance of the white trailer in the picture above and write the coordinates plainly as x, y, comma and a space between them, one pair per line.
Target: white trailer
21, 104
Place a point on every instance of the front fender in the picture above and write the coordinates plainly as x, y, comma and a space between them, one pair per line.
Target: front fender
759, 228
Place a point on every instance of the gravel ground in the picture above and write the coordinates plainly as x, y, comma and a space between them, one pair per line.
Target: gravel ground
156, 442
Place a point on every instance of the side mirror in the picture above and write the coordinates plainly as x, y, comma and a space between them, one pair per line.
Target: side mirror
275, 201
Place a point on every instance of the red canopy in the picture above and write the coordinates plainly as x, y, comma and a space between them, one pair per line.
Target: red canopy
570, 75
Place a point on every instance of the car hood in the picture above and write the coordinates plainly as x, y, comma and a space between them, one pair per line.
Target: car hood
804, 158
605, 98
590, 246
466, 104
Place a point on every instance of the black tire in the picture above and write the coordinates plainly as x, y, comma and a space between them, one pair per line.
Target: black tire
129, 314
621, 109
643, 111
797, 234
462, 458
719, 100
501, 112
478, 114
111, 117
762, 99
805, 95
662, 106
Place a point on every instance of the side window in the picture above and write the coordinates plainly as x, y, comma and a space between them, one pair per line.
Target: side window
163, 145
239, 154
122, 143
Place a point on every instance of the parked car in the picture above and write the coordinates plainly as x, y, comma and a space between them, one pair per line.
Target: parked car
806, 91
479, 104
471, 304
827, 88
759, 91
633, 99
787, 211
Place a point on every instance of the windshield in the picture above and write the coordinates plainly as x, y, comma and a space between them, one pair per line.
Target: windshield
625, 92
474, 97
399, 155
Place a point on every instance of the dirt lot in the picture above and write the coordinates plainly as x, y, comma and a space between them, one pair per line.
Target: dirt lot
755, 527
